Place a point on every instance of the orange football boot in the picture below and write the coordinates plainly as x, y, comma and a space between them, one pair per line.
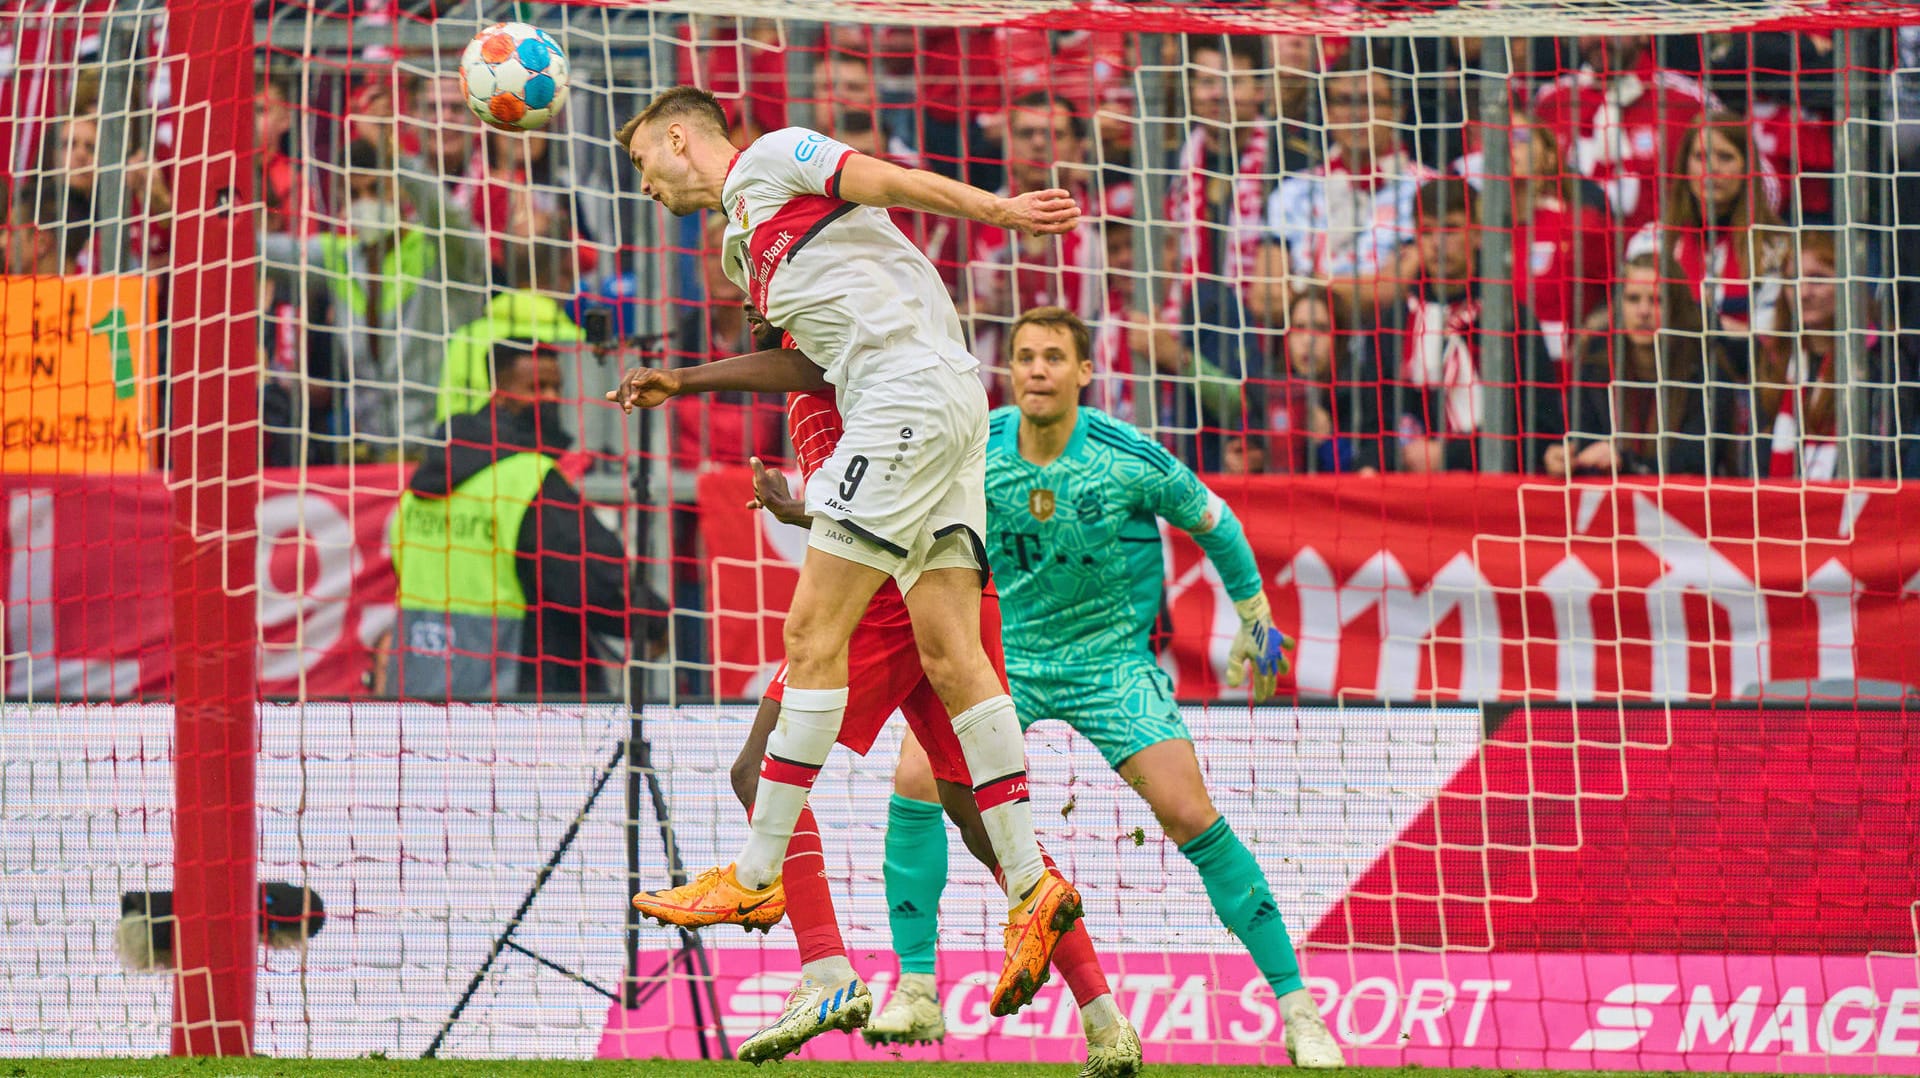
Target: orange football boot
715, 897
1033, 928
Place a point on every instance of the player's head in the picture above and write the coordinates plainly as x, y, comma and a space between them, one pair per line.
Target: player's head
1050, 360
766, 335
679, 143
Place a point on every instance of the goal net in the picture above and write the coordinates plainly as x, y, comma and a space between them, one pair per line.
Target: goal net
1559, 360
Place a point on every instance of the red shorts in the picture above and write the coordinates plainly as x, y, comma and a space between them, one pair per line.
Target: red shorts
884, 676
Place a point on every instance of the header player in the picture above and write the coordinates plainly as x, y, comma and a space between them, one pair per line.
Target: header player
809, 240
885, 677
1074, 500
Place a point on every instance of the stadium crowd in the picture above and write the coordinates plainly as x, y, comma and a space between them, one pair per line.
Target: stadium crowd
1624, 256
1301, 257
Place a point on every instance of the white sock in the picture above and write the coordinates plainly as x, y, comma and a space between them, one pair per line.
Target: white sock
833, 969
990, 738
928, 985
1100, 1013
798, 748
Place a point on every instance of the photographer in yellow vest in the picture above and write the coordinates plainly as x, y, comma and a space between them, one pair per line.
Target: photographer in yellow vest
505, 575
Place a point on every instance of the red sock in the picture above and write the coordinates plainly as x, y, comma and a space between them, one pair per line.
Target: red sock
1073, 956
816, 927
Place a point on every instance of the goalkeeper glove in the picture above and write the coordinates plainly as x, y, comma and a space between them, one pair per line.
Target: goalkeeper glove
1260, 644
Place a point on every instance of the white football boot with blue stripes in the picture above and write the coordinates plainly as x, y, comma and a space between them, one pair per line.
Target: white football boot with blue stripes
813, 1007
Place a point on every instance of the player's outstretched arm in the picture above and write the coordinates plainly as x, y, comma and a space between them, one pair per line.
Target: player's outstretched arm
774, 370
873, 182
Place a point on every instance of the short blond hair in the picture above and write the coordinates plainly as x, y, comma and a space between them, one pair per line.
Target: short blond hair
1055, 318
680, 103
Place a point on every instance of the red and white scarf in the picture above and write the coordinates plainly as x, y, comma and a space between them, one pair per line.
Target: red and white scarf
1439, 355
1187, 208
1798, 451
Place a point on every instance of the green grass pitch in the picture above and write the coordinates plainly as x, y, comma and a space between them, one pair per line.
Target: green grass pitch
369, 1068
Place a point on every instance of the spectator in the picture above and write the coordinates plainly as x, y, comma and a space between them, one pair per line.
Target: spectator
1344, 222
841, 83
744, 61
518, 199
843, 90
1325, 405
722, 428
1562, 244
1622, 119
1122, 385
1244, 455
1439, 395
283, 179
960, 83
1009, 272
1222, 173
297, 382
1721, 245
450, 138
504, 573
48, 235
69, 155
1795, 385
407, 270
541, 283
1639, 397
1221, 176
1303, 130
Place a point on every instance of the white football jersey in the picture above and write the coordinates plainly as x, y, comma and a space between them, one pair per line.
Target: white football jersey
859, 298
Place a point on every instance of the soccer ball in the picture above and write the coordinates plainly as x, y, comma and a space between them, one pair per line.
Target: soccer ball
514, 76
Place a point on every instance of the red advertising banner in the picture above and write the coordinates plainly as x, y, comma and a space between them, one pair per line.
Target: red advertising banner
87, 587
1448, 588
1480, 588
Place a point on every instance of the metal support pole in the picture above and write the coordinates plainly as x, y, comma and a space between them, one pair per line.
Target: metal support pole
1854, 216
1499, 425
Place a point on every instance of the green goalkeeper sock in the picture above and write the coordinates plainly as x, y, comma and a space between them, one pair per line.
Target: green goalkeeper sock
916, 871
1244, 902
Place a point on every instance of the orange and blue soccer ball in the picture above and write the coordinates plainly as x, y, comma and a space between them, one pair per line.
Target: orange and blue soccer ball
514, 76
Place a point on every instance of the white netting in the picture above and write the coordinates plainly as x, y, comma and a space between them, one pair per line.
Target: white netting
1282, 276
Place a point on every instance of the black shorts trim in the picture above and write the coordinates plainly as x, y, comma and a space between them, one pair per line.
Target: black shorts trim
979, 548
894, 549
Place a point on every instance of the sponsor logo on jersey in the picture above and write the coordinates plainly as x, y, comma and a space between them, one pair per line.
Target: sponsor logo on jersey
1040, 504
769, 257
808, 147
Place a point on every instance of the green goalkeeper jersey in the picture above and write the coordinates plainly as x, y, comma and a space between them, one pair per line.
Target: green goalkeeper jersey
1075, 545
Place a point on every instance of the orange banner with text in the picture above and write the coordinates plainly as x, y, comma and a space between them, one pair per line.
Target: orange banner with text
77, 362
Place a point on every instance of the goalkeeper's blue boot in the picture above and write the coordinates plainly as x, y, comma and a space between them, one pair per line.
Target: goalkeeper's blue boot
813, 1007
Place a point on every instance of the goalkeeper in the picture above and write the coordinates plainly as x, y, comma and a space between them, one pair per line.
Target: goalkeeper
1072, 502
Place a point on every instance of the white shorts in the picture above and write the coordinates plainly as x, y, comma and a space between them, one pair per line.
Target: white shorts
905, 490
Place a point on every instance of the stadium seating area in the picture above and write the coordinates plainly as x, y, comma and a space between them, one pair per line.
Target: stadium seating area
1310, 255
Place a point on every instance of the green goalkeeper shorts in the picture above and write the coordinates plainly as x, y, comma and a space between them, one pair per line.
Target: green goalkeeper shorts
1121, 709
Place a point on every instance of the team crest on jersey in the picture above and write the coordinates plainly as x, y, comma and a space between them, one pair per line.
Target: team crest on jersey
1040, 504
740, 211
